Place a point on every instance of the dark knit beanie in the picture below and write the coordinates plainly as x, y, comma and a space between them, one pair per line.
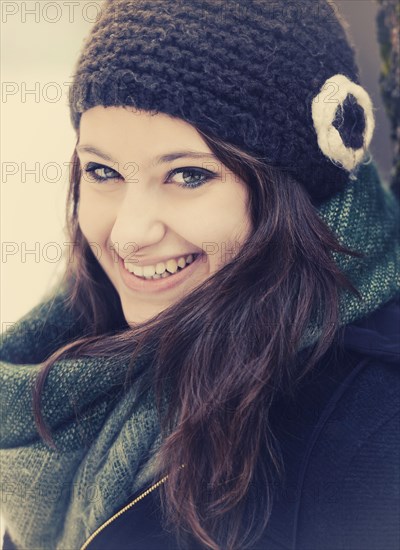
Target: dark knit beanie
275, 77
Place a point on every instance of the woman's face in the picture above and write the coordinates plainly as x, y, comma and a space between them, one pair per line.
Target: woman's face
162, 197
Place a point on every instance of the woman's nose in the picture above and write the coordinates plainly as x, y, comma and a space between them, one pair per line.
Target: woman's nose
138, 221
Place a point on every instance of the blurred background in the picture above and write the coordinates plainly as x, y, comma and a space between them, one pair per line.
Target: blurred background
40, 44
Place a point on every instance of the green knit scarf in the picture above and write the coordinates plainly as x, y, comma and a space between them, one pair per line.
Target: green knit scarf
55, 500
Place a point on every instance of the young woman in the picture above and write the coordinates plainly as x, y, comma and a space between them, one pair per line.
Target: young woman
218, 367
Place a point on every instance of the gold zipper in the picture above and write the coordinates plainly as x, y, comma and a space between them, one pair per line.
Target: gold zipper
124, 509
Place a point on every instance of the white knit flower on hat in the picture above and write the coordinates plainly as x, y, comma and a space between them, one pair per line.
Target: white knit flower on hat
343, 120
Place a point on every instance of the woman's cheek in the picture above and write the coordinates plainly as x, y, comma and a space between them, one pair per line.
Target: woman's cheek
87, 220
94, 216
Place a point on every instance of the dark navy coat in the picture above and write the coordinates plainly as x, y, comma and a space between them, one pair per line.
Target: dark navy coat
341, 447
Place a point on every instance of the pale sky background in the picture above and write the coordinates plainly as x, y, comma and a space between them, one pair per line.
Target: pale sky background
38, 55
39, 48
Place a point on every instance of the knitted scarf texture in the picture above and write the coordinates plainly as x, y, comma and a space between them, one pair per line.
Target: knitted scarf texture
57, 499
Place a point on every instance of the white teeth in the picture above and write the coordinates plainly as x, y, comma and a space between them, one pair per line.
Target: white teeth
161, 269
137, 270
172, 266
148, 271
129, 267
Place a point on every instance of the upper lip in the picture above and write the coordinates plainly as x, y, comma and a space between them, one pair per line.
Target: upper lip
155, 261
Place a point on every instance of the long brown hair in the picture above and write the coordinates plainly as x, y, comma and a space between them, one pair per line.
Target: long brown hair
228, 349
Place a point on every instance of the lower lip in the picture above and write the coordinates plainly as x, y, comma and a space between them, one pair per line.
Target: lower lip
157, 285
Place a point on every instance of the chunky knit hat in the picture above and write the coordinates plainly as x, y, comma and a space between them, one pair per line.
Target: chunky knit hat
275, 77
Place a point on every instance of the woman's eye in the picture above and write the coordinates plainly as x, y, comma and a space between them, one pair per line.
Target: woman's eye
100, 172
192, 177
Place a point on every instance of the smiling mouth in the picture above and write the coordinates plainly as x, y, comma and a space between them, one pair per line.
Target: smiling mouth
169, 271
160, 282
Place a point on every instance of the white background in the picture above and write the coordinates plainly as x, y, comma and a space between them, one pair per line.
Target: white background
37, 141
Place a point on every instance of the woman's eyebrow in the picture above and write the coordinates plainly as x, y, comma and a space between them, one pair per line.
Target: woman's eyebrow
97, 152
168, 157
